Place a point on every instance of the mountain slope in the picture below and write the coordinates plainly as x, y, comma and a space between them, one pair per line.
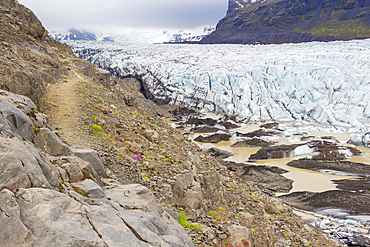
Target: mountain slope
279, 21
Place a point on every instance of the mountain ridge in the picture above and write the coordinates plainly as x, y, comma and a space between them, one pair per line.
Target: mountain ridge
291, 21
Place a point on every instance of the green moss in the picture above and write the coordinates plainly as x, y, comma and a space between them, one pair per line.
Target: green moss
339, 29
97, 127
185, 222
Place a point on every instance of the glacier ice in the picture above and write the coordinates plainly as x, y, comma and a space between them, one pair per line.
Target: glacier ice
326, 83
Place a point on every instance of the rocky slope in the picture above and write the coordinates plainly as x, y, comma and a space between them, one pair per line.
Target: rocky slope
55, 194
281, 21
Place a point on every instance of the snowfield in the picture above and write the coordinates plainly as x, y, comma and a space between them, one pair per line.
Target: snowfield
327, 83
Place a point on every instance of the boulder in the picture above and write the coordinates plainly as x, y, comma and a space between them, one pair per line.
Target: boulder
92, 157
22, 166
246, 216
240, 236
56, 219
13, 231
18, 120
50, 143
212, 189
89, 188
74, 174
27, 106
184, 180
194, 196
139, 197
102, 108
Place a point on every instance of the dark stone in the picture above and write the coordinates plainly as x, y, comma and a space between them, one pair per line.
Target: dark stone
259, 133
218, 153
255, 142
205, 129
269, 125
201, 121
215, 138
228, 125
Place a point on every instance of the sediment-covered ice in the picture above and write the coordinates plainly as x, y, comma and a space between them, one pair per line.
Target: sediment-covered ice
321, 82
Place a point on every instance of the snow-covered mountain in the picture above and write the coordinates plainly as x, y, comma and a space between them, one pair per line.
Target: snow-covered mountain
136, 36
74, 34
327, 83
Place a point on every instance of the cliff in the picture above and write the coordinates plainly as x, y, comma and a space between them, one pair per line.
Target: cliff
283, 21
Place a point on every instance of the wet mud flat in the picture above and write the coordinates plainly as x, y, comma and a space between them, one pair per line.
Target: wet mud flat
278, 156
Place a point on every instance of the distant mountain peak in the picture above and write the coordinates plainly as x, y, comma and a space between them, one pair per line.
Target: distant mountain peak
154, 36
73, 34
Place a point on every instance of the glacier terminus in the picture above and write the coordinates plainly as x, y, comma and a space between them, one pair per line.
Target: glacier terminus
325, 83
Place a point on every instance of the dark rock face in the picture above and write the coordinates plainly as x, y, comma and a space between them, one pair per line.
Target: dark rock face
282, 21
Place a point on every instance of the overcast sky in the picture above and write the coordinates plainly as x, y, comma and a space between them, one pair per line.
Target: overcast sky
108, 15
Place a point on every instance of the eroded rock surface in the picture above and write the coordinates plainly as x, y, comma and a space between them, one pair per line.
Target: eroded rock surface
59, 199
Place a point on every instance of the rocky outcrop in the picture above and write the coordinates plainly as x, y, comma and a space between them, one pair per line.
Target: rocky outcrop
282, 21
30, 59
197, 191
63, 197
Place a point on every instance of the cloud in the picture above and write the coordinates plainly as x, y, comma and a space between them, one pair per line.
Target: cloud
96, 14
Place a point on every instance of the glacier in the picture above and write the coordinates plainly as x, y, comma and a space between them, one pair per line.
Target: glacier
324, 83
